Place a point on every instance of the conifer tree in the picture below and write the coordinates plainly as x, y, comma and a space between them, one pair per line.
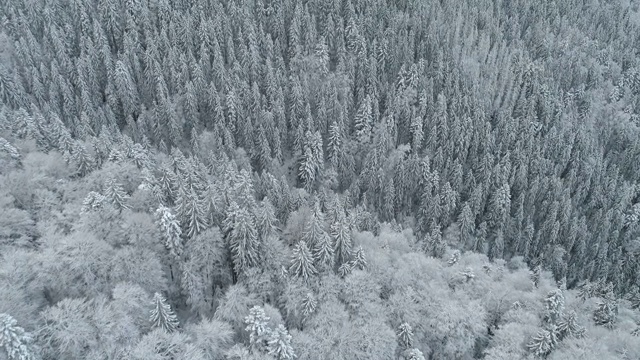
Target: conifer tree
413, 354
161, 314
554, 304
82, 160
345, 269
455, 257
302, 261
279, 344
242, 238
405, 335
359, 261
258, 329
94, 200
309, 304
607, 311
190, 209
266, 219
543, 342
114, 192
342, 239
17, 343
314, 231
568, 326
170, 228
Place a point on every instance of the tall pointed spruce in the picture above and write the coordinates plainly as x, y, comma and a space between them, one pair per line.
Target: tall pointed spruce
161, 315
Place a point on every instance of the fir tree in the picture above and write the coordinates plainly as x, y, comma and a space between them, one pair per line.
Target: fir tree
161, 314
279, 344
266, 219
535, 275
345, 269
114, 192
568, 326
413, 354
170, 228
543, 342
17, 343
242, 238
93, 201
359, 261
82, 160
554, 304
455, 257
405, 335
190, 210
259, 332
302, 261
342, 239
309, 305
607, 312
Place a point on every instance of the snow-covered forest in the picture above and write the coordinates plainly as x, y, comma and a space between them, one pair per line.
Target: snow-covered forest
319, 179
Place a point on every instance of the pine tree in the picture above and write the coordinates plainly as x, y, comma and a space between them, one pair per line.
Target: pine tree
279, 344
161, 314
309, 305
242, 238
466, 222
302, 261
554, 305
535, 275
93, 201
413, 354
168, 184
266, 219
17, 343
82, 160
13, 152
191, 212
312, 159
257, 327
345, 269
607, 312
455, 257
359, 261
114, 192
568, 326
342, 239
170, 228
314, 231
543, 342
405, 335
334, 147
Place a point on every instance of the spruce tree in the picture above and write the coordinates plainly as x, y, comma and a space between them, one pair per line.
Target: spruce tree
302, 261
114, 192
93, 201
554, 305
161, 314
309, 305
405, 335
543, 342
17, 343
568, 326
82, 160
359, 260
242, 238
191, 212
258, 329
340, 231
607, 312
170, 228
279, 344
